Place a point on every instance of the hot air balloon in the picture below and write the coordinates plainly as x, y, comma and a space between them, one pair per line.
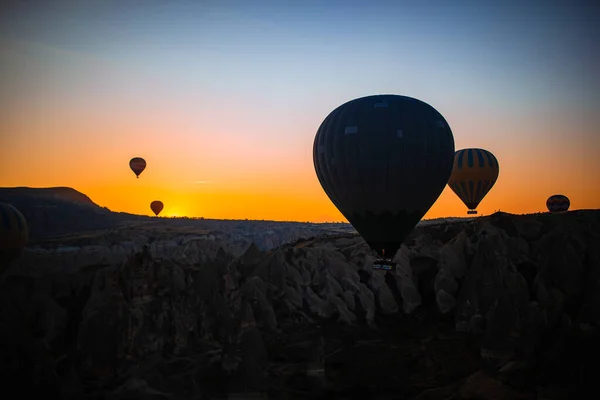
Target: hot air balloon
558, 203
473, 174
383, 160
14, 234
156, 206
137, 165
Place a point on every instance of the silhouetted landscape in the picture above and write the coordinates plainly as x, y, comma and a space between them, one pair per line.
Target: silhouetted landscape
66, 216
111, 305
299, 200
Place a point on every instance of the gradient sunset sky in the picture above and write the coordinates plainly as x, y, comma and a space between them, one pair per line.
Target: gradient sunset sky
223, 98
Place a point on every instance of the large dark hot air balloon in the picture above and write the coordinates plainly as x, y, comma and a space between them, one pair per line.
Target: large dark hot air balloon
14, 234
558, 203
383, 161
473, 174
137, 165
156, 206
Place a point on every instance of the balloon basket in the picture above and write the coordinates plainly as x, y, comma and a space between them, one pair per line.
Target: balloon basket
383, 265
472, 212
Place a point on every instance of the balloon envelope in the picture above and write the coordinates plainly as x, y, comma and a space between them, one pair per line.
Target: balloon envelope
137, 165
156, 206
474, 173
558, 203
383, 161
14, 233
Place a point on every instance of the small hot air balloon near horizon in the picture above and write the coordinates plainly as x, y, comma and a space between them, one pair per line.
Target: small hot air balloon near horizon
14, 234
474, 173
558, 203
156, 206
383, 161
137, 165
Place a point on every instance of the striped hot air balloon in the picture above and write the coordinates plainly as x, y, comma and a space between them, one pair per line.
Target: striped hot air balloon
14, 234
474, 173
137, 165
558, 203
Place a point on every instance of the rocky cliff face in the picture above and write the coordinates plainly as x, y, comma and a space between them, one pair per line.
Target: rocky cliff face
499, 307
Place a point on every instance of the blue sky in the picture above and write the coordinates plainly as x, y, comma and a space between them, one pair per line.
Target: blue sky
301, 48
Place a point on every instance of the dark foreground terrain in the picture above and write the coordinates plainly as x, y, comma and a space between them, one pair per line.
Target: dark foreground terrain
501, 307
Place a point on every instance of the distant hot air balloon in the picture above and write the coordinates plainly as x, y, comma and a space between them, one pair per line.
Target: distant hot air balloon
14, 234
383, 161
558, 203
156, 206
137, 165
473, 174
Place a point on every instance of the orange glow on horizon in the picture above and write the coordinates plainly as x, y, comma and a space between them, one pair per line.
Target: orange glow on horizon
215, 181
256, 163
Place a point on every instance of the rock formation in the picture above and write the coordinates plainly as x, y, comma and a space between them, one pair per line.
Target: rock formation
503, 306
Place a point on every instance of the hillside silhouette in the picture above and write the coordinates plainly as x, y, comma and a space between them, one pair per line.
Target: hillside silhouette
58, 211
63, 217
504, 306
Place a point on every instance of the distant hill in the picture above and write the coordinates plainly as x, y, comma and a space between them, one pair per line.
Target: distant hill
55, 193
58, 211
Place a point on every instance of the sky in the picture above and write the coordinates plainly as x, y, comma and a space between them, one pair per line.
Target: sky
223, 98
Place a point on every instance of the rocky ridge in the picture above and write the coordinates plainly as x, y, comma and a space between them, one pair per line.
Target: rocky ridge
499, 307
